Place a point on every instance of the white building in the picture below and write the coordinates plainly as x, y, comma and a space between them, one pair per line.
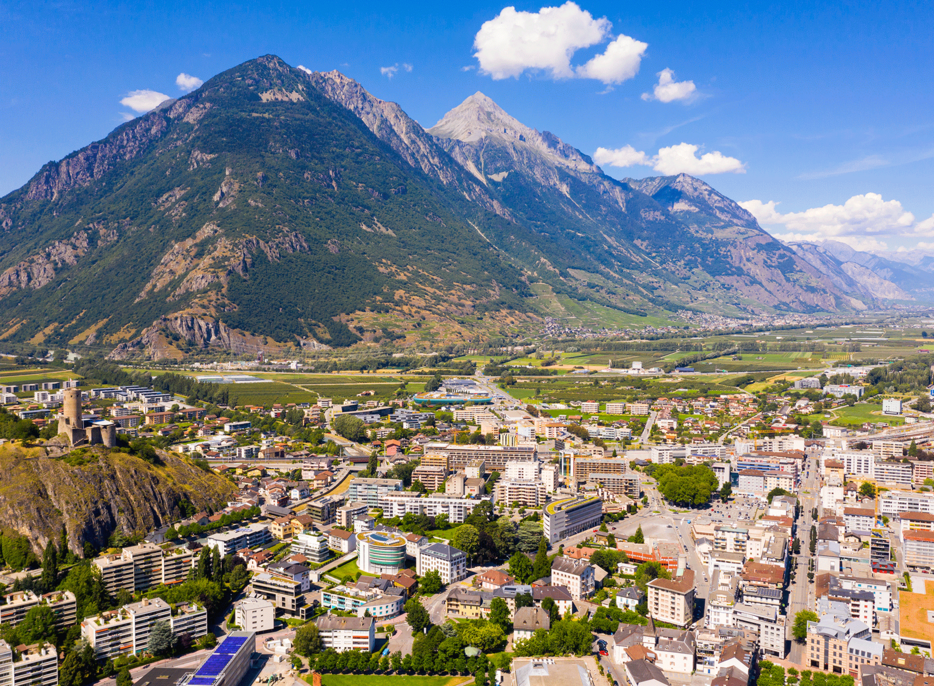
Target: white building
448, 561
255, 614
892, 406
575, 575
347, 633
35, 666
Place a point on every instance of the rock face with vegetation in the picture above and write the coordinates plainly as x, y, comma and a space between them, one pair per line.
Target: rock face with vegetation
274, 207
95, 492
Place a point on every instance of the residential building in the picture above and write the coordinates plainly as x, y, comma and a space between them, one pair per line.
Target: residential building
448, 561
255, 614
14, 606
432, 478
559, 594
839, 644
313, 545
672, 600
569, 516
914, 521
324, 510
124, 631
859, 518
751, 482
400, 504
575, 575
176, 563
492, 579
495, 457
378, 598
527, 621
344, 541
893, 503
249, 536
347, 514
34, 665
523, 493
629, 485
721, 599
767, 622
347, 633
644, 673
116, 573
919, 548
283, 592
189, 619
894, 472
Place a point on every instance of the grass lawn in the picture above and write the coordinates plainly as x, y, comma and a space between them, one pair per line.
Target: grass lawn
861, 413
389, 680
445, 534
348, 570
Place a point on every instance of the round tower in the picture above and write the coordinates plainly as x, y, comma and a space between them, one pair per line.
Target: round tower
71, 408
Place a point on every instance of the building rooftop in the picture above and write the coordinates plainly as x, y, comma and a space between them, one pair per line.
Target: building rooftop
335, 623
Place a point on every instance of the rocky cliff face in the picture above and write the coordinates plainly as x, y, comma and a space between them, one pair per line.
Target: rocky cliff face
95, 492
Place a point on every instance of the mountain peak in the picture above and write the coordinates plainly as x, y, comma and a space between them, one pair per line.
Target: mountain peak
478, 117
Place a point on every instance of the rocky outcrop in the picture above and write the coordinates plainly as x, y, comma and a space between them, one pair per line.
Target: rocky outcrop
95, 492
39, 270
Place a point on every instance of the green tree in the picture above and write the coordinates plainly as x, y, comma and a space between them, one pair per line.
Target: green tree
726, 491
913, 449
416, 615
775, 492
520, 567
308, 640
431, 583
637, 537
373, 465
800, 628
350, 427
499, 614
867, 490
161, 638
38, 625
551, 607
542, 565
467, 539
528, 536
124, 678
649, 571
49, 579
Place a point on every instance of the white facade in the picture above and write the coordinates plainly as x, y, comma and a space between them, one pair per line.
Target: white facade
891, 406
521, 470
255, 614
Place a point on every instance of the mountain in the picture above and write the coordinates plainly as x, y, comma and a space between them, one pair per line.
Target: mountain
864, 274
275, 208
95, 492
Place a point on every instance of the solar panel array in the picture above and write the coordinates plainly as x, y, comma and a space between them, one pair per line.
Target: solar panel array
215, 665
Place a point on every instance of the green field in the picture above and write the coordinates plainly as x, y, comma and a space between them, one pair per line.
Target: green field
346, 571
862, 413
36, 376
389, 680
750, 362
339, 392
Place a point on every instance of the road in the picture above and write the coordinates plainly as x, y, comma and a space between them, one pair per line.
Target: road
647, 431
800, 595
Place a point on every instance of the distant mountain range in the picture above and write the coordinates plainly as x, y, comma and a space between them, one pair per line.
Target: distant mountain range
275, 207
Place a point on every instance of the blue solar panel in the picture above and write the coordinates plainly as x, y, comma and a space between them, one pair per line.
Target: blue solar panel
200, 681
218, 661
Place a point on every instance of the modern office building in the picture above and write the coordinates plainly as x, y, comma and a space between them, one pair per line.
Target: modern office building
564, 518
284, 592
380, 552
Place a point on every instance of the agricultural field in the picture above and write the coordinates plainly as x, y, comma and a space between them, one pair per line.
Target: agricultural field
565, 390
751, 362
268, 394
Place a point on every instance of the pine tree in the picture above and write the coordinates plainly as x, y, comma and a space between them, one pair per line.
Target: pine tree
203, 570
217, 566
49, 578
542, 566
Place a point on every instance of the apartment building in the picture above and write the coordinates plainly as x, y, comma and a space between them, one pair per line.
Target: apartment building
147, 564
521, 470
283, 592
525, 493
721, 599
628, 485
893, 503
347, 633
448, 561
861, 602
399, 504
858, 464
859, 518
583, 467
34, 665
313, 545
14, 606
880, 590
117, 572
575, 575
767, 622
915, 521
125, 631
255, 614
894, 472
919, 549
751, 482
228, 543
672, 600
432, 478
323, 511
175, 565
495, 457
353, 510
839, 644
189, 619
569, 516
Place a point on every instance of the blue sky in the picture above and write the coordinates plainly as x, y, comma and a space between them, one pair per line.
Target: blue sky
819, 118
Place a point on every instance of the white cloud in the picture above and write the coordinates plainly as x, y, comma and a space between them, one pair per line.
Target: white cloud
626, 156
682, 159
676, 159
669, 90
764, 212
389, 72
515, 42
187, 83
619, 62
305, 69
143, 101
